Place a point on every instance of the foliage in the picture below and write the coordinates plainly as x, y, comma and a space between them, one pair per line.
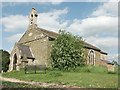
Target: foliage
5, 60
67, 51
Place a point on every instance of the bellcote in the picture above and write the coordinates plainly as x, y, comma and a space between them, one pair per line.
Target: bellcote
33, 17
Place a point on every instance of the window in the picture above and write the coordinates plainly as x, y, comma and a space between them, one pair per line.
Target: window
36, 15
91, 57
31, 15
51, 39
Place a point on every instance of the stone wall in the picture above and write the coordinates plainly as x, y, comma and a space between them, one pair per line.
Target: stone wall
39, 49
101, 63
97, 55
103, 57
111, 68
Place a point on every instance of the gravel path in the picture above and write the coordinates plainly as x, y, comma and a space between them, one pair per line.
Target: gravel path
40, 84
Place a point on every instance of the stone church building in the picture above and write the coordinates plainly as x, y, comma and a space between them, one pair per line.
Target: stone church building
35, 45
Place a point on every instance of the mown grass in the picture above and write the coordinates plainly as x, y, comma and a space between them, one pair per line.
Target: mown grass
95, 77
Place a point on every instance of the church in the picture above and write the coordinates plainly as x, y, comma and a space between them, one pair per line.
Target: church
35, 45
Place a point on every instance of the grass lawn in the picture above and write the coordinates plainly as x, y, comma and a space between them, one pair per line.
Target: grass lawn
84, 77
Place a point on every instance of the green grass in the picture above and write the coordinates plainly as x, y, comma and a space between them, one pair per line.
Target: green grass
91, 69
95, 77
6, 84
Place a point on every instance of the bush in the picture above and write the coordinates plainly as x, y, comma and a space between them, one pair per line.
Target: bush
67, 52
5, 60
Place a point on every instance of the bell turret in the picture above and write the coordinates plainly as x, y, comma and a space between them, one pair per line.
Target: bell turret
33, 17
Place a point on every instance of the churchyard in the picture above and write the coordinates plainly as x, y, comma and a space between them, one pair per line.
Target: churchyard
83, 77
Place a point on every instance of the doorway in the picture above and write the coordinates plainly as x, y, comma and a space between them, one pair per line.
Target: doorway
14, 61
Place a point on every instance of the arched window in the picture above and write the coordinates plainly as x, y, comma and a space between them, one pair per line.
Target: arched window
91, 57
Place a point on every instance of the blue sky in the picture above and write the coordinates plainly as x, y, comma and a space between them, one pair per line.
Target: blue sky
76, 9
96, 22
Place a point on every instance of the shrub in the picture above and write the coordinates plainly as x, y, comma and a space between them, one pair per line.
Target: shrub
5, 60
67, 51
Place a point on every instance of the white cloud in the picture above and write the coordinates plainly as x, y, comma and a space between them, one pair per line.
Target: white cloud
54, 2
14, 38
102, 25
52, 20
114, 57
41, 2
14, 23
105, 43
107, 9
59, 1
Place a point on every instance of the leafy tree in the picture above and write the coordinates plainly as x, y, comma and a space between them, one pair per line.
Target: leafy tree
4, 60
67, 51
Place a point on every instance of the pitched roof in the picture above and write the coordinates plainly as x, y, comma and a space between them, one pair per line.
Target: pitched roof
25, 50
49, 33
103, 52
89, 46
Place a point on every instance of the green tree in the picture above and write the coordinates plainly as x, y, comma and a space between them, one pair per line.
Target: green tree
4, 60
67, 51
